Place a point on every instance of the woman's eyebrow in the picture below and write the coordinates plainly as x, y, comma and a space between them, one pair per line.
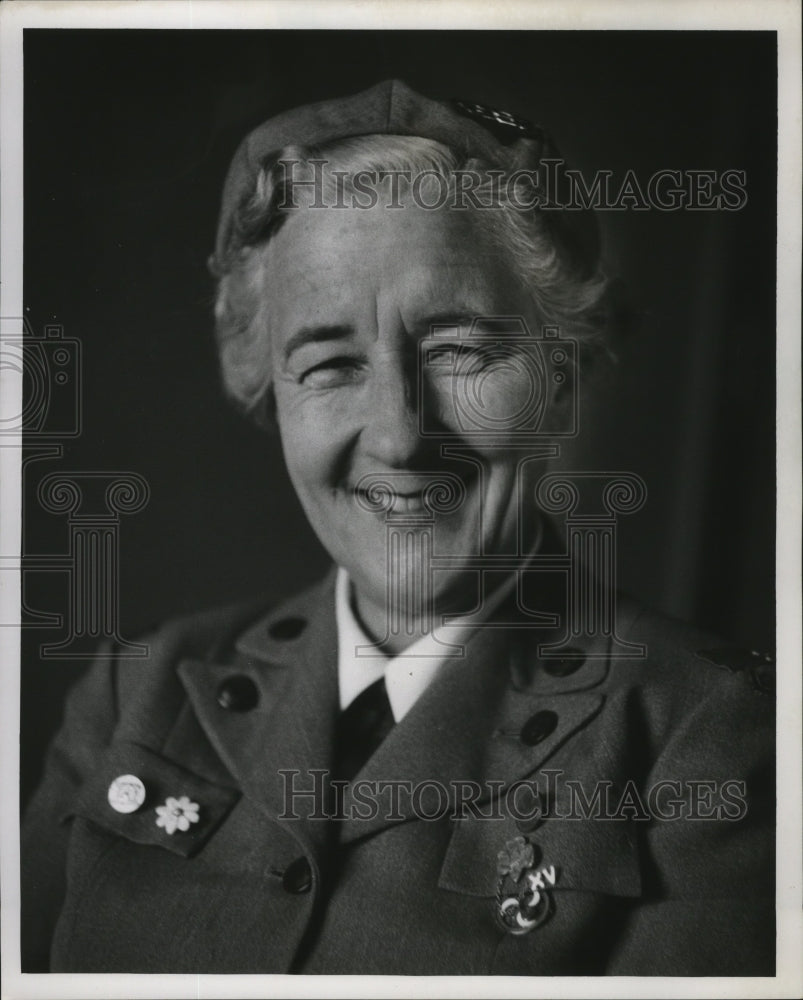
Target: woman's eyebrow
315, 335
439, 324
451, 317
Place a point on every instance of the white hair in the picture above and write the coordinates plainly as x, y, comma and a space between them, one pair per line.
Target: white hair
563, 293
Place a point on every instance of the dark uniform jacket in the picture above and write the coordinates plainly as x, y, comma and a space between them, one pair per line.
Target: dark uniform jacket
226, 701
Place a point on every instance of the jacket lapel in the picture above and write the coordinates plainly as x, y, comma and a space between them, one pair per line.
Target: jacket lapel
467, 726
290, 657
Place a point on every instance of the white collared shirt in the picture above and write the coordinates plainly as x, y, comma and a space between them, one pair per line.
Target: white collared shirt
361, 662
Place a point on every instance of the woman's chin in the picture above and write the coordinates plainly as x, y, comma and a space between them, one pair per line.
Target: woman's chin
408, 602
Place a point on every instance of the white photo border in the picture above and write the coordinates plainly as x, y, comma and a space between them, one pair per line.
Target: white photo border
781, 16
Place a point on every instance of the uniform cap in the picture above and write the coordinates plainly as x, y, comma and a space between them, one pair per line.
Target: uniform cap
500, 139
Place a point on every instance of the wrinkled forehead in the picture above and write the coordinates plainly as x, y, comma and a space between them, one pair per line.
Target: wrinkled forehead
316, 239
335, 265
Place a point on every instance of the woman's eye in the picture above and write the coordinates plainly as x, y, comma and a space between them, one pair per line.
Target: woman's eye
477, 357
453, 359
462, 359
331, 373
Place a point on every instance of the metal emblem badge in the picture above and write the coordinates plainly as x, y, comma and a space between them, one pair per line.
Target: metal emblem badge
505, 126
523, 897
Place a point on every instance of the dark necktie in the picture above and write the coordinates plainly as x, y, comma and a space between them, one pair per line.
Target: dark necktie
360, 729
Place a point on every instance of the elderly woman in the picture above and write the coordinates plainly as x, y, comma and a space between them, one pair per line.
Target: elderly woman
458, 753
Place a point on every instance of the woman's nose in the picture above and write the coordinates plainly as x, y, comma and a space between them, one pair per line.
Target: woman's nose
391, 433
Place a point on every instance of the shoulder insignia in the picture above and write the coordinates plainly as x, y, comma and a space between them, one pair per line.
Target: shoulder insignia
758, 667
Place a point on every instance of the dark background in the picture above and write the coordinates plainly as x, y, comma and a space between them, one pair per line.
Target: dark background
127, 138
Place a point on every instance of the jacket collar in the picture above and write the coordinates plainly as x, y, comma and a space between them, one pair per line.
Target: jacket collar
465, 727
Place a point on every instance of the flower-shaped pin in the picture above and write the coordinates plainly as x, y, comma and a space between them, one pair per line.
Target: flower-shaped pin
177, 814
515, 857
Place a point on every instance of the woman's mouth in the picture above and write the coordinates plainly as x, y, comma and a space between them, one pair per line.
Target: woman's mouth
381, 498
400, 492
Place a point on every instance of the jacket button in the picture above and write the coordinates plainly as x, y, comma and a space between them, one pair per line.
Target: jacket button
297, 878
538, 727
287, 628
238, 694
565, 664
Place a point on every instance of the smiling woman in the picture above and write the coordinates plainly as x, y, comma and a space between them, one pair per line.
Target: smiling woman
367, 778
345, 404
381, 235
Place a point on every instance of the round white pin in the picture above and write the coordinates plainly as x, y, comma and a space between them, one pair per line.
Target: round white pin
126, 793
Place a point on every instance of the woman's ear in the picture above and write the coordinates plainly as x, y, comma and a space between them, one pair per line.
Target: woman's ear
264, 412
